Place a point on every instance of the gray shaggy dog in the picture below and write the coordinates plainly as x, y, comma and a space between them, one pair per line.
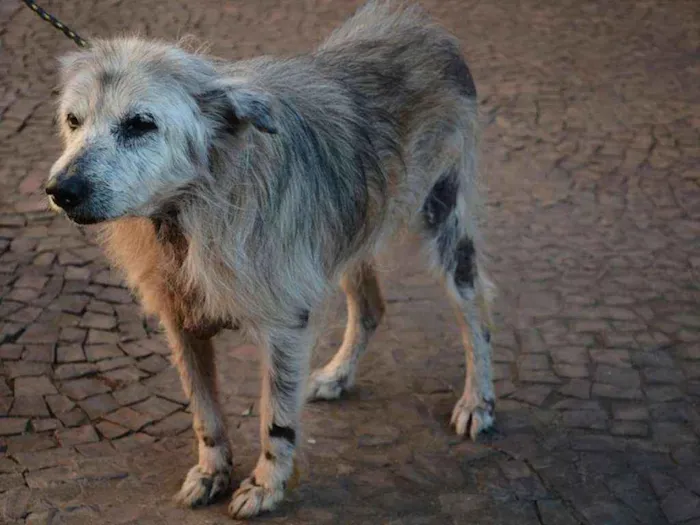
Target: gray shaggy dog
245, 192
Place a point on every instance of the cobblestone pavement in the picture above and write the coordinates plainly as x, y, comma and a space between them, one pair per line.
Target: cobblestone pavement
592, 155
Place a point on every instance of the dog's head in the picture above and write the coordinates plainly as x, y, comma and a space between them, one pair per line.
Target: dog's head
138, 120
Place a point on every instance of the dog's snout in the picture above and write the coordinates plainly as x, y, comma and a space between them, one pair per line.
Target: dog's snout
68, 191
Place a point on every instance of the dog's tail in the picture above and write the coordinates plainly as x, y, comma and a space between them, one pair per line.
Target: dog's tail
380, 18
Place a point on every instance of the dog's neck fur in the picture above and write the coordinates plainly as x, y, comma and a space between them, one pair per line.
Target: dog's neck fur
168, 229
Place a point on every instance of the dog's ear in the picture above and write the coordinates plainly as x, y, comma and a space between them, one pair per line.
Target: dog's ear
234, 103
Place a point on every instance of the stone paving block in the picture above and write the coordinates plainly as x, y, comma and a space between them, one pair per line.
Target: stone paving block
101, 337
34, 386
78, 389
663, 375
76, 273
533, 362
608, 512
5, 404
41, 353
554, 512
504, 388
124, 375
9, 481
10, 351
74, 304
136, 350
14, 425
629, 412
133, 442
619, 377
111, 294
534, 395
514, 469
40, 333
111, 430
4, 389
612, 357
29, 406
156, 345
69, 353
98, 321
167, 384
15, 503
97, 352
591, 419
26, 368
44, 425
69, 334
538, 376
100, 449
59, 403
663, 393
76, 436
681, 505
100, 307
571, 371
73, 418
48, 477
99, 405
156, 407
153, 364
170, 426
131, 332
529, 488
74, 371
629, 428
672, 433
131, 394
653, 358
29, 443
616, 392
129, 418
45, 458
116, 362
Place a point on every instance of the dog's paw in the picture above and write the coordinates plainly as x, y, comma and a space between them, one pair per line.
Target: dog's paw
327, 384
472, 415
252, 499
201, 488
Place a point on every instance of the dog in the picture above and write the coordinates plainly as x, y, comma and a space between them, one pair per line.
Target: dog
246, 192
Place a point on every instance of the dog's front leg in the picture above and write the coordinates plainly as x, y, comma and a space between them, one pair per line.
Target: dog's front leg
194, 358
283, 391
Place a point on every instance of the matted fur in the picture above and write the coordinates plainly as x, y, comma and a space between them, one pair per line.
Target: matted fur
262, 184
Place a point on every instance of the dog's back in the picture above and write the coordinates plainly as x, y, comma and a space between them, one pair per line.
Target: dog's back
408, 74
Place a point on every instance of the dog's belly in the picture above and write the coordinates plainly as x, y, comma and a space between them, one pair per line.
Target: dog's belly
205, 329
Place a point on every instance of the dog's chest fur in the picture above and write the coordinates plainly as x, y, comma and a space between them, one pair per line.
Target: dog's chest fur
152, 252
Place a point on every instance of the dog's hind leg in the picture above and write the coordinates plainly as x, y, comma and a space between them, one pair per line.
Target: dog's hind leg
365, 310
284, 377
451, 235
211, 477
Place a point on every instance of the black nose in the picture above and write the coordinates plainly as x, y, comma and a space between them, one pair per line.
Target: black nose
68, 192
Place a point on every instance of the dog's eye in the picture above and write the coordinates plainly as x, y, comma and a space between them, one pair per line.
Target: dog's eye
72, 120
139, 125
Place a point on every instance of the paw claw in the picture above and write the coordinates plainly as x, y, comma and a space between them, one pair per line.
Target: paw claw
252, 499
202, 488
471, 417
